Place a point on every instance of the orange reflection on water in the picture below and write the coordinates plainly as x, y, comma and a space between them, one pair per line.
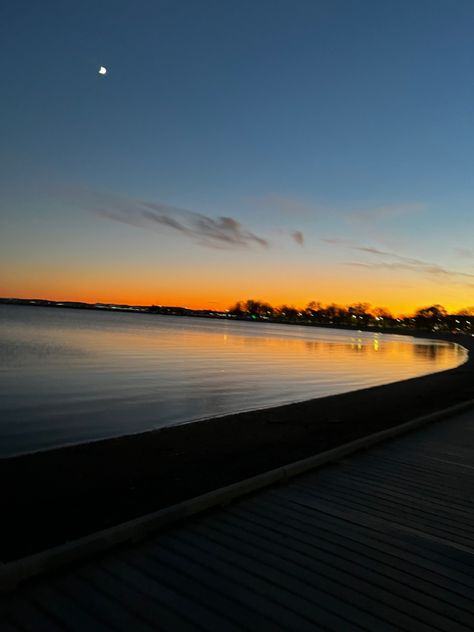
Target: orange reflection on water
75, 375
283, 352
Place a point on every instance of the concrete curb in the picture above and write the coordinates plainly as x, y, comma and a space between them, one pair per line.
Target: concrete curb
12, 573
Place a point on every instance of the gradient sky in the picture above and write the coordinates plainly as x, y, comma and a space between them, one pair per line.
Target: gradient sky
336, 137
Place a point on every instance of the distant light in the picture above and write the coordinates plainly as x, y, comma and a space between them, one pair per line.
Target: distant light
102, 70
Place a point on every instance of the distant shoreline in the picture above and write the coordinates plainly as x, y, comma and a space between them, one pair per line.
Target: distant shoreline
71, 491
219, 315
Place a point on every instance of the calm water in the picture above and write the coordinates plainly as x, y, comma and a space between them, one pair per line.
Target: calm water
68, 376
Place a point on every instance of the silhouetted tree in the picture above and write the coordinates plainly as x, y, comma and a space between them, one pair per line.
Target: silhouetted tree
258, 308
313, 310
358, 313
334, 314
251, 307
238, 309
382, 312
382, 317
431, 316
287, 313
466, 311
433, 312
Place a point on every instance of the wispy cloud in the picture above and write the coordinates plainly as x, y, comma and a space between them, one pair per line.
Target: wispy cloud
426, 268
393, 255
429, 270
395, 261
216, 232
337, 241
387, 212
298, 237
467, 253
369, 249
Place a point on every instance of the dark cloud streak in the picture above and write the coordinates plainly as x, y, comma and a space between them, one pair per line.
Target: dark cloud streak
298, 237
216, 232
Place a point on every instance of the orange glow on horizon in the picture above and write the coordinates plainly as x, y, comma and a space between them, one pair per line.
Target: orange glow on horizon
223, 301
218, 280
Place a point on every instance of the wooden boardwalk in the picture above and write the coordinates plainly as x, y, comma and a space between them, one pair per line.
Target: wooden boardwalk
382, 540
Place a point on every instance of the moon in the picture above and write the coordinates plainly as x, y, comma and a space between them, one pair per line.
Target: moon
102, 70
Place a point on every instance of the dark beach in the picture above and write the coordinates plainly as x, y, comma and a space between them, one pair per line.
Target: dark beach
57, 495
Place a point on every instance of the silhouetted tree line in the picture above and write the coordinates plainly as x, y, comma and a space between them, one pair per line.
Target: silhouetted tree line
432, 318
356, 315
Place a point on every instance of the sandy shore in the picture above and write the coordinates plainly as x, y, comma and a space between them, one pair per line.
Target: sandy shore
60, 494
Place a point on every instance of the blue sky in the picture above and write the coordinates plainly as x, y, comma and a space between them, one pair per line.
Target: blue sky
350, 121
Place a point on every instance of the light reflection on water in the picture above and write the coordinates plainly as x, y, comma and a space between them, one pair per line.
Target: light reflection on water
68, 376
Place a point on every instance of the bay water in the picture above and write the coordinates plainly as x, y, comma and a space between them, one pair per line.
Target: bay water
69, 376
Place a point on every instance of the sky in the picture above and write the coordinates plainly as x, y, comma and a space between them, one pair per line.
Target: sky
286, 151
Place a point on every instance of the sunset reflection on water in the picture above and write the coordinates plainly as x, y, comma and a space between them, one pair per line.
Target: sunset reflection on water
69, 376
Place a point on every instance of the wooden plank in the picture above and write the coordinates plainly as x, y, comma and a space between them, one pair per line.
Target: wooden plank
107, 608
301, 556
273, 516
417, 461
434, 449
460, 498
449, 460
339, 582
315, 590
459, 438
64, 610
388, 470
362, 516
203, 600
453, 525
409, 487
229, 598
309, 542
442, 513
286, 607
27, 616
366, 518
401, 515
449, 474
450, 481
188, 606
145, 604
444, 554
